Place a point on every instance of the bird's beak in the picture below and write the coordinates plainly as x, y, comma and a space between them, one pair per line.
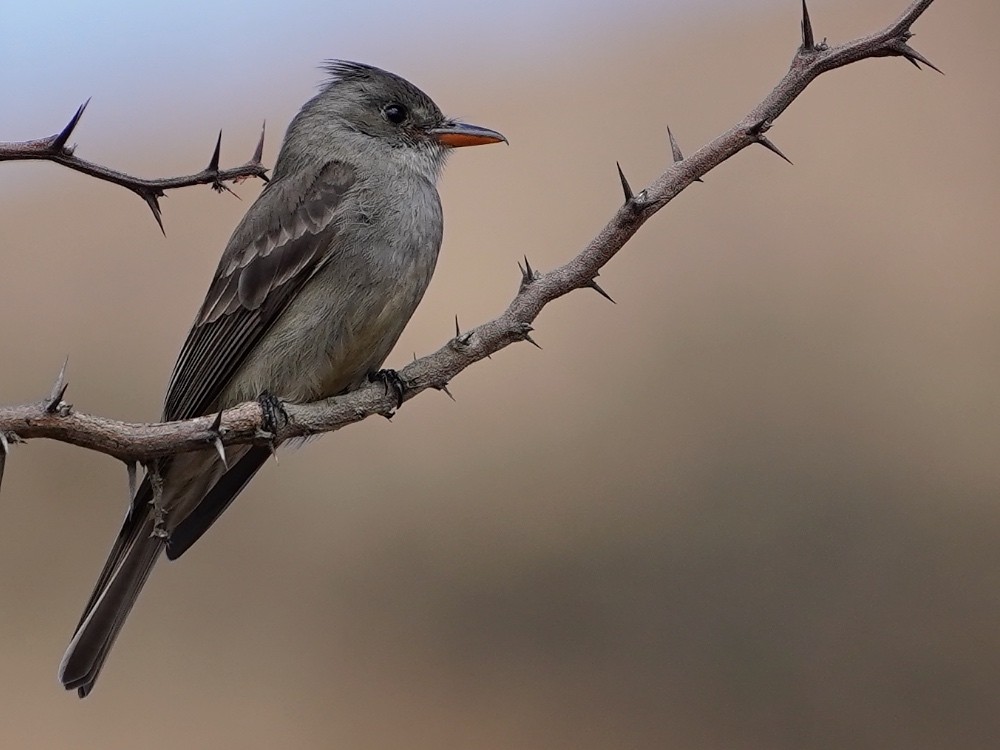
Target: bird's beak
458, 134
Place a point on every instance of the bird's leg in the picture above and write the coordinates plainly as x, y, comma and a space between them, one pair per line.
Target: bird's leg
390, 378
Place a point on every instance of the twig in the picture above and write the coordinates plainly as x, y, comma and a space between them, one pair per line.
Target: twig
55, 149
243, 424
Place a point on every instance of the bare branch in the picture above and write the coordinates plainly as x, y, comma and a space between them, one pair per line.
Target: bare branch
54, 149
244, 424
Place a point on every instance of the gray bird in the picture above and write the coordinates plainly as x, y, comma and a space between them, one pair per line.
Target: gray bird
311, 294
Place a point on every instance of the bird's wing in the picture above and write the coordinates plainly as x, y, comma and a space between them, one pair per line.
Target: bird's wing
283, 239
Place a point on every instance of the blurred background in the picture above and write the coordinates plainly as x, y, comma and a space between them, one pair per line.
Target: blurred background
755, 504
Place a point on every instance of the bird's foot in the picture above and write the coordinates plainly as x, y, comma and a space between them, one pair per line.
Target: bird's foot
273, 414
390, 379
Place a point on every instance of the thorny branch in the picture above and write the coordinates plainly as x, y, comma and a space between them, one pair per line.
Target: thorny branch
55, 148
53, 418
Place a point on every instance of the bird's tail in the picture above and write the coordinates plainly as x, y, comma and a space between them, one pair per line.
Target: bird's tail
128, 566
198, 476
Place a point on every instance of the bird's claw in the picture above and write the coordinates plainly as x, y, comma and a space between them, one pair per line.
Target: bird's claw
390, 379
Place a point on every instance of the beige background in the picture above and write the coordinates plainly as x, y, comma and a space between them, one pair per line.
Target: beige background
756, 504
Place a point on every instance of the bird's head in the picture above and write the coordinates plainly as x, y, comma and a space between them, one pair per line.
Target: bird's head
371, 110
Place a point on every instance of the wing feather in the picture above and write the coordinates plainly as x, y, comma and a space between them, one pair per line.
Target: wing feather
284, 238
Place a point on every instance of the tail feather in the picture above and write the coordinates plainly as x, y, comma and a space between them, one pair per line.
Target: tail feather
104, 618
137, 549
130, 532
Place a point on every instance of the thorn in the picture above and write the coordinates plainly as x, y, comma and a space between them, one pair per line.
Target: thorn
221, 451
675, 150
213, 167
766, 143
216, 430
915, 57
58, 390
213, 164
808, 40
152, 201
597, 288
268, 439
757, 133
130, 468
528, 274
626, 188
259, 151
461, 339
59, 142
444, 387
523, 332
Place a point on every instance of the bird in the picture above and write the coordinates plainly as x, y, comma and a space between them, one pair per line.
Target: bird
311, 293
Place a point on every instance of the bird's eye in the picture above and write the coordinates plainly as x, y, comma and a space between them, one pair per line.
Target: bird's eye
394, 113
